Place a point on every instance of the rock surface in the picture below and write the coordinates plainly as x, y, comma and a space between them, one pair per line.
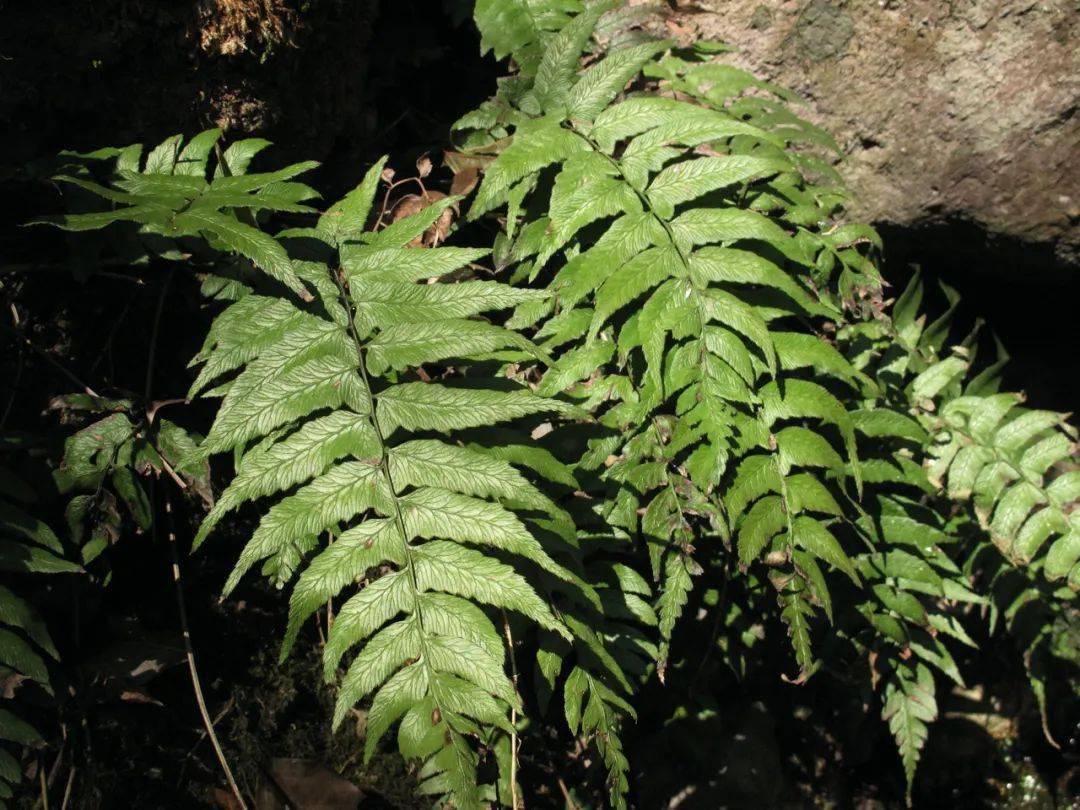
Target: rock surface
959, 110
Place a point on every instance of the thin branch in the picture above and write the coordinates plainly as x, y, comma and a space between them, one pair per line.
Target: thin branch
35, 267
168, 467
106, 349
53, 362
196, 684
44, 786
229, 704
390, 188
14, 388
67, 788
566, 795
154, 331
153, 407
148, 388
54, 771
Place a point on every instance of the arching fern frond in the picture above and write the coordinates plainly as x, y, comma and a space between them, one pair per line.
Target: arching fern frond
1018, 468
1015, 466
980, 448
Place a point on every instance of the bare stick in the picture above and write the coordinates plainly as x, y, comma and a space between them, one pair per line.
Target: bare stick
44, 786
47, 783
196, 684
67, 788
168, 468
566, 795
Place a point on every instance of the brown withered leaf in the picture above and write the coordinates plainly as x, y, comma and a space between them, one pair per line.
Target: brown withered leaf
423, 165
414, 203
10, 685
139, 696
225, 800
466, 169
459, 161
679, 31
464, 181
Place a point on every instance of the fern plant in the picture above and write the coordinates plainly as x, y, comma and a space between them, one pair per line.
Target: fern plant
299, 355
689, 369
1011, 463
980, 442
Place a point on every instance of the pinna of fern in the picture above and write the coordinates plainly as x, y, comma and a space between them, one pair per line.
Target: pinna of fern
186, 200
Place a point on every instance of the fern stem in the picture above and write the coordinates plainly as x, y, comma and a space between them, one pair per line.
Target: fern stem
154, 332
384, 464
453, 737
513, 717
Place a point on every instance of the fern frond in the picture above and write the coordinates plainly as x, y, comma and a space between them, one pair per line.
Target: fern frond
1015, 465
719, 366
331, 424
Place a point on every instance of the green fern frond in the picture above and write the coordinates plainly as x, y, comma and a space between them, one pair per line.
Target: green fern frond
331, 419
640, 219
